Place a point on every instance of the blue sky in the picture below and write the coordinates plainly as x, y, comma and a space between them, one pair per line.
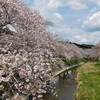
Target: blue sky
73, 20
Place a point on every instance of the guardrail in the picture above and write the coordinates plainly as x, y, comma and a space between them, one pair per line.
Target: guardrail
65, 70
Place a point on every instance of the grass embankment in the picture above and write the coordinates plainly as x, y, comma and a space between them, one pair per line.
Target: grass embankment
88, 79
72, 61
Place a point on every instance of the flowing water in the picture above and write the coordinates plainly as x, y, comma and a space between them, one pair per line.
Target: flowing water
65, 87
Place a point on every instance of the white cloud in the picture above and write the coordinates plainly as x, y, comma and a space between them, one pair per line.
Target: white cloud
76, 35
93, 22
59, 16
49, 9
54, 4
76, 5
81, 38
45, 5
41, 6
98, 3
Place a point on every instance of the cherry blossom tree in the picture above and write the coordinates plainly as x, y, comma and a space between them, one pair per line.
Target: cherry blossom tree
27, 51
95, 52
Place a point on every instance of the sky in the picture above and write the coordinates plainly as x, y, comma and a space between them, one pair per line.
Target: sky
73, 20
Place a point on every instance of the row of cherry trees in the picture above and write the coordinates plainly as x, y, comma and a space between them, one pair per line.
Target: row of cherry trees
95, 52
25, 52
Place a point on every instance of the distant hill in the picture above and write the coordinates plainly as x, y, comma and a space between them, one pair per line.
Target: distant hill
84, 46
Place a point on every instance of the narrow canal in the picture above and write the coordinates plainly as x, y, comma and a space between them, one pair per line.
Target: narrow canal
65, 88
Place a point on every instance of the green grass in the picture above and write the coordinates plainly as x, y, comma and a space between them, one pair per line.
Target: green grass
88, 79
73, 60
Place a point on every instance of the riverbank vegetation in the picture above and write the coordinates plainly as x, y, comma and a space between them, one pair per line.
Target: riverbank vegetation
88, 80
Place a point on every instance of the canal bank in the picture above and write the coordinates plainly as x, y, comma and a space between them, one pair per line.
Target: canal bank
64, 88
